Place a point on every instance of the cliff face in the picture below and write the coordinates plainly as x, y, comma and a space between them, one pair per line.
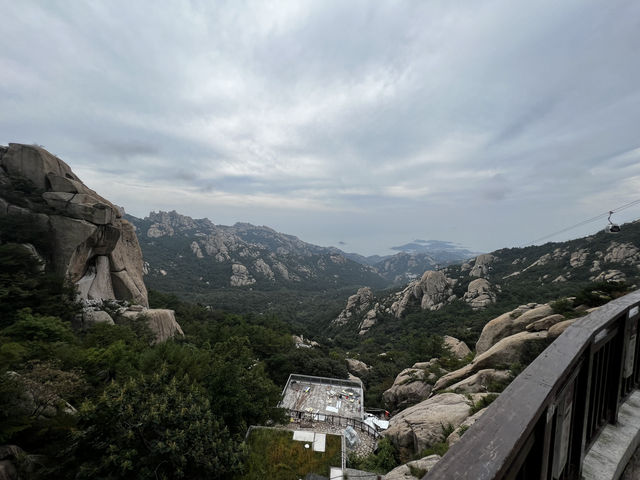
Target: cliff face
86, 237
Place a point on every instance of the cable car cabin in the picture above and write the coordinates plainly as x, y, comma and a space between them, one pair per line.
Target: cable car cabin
612, 227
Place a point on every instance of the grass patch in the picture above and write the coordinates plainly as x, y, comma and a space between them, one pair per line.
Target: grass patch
482, 403
273, 454
417, 472
438, 448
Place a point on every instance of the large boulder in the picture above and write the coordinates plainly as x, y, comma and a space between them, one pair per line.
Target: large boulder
457, 347
410, 387
88, 240
81, 206
424, 424
404, 472
545, 323
481, 382
161, 322
482, 265
507, 351
92, 317
480, 294
463, 427
557, 329
509, 323
357, 366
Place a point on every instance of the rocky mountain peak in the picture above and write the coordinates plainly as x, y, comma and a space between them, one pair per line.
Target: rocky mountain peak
81, 234
168, 223
92, 244
431, 292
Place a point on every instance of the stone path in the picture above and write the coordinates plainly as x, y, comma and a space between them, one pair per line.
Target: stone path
614, 447
632, 472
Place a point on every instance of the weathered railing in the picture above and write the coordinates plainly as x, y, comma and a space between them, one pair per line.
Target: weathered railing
335, 420
543, 424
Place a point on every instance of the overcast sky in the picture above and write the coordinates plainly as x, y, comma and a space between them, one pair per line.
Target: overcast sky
372, 123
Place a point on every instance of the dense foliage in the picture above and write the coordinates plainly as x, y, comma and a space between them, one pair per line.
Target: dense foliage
106, 403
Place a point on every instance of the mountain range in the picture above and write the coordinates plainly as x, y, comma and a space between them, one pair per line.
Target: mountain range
502, 280
181, 250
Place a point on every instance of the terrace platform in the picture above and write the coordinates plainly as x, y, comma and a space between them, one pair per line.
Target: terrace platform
322, 396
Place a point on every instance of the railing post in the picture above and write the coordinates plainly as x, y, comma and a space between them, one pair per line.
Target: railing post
588, 372
617, 363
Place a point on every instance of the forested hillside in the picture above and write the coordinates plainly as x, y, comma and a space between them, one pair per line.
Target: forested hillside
107, 403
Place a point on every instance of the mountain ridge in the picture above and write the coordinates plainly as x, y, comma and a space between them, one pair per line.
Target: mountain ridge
215, 239
504, 277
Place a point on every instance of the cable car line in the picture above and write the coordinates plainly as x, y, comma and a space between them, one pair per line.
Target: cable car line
590, 220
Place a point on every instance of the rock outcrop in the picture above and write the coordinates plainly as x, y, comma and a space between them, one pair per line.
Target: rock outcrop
300, 342
161, 322
357, 367
358, 303
240, 276
507, 351
431, 292
89, 241
509, 323
84, 235
482, 265
422, 425
545, 323
458, 432
368, 321
411, 386
578, 258
90, 317
482, 382
457, 347
480, 294
610, 276
557, 329
404, 472
625, 253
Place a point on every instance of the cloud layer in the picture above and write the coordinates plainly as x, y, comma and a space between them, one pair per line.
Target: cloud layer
372, 123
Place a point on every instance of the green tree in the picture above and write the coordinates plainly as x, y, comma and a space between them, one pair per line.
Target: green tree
37, 327
240, 390
24, 284
151, 427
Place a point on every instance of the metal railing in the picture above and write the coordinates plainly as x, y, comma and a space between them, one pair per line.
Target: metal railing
545, 421
338, 420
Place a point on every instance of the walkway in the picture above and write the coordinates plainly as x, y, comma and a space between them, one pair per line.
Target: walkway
614, 448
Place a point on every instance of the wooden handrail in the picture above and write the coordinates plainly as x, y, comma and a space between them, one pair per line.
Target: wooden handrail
543, 423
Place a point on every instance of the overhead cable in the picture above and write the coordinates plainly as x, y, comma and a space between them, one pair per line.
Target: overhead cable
590, 220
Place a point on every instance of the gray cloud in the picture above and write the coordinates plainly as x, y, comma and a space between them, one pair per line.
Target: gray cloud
371, 122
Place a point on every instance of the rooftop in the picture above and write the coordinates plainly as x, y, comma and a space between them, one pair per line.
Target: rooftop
324, 396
